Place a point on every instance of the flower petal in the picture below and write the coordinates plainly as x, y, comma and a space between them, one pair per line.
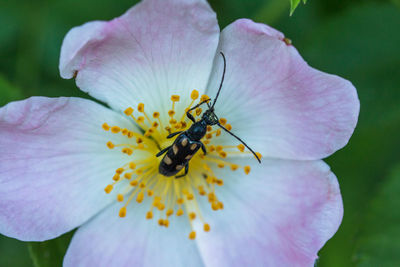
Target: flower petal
279, 215
281, 106
54, 165
109, 240
157, 48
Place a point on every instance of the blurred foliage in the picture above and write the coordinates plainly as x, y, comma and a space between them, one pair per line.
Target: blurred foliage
356, 39
49, 253
378, 242
294, 4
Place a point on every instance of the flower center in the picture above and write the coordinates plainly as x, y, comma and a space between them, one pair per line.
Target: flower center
169, 196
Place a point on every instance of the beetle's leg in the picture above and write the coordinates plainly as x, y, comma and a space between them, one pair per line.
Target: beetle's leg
203, 147
163, 151
186, 171
190, 116
173, 134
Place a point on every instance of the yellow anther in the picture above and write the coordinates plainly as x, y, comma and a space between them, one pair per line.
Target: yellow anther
190, 196
149, 215
234, 167
183, 125
110, 145
140, 146
140, 197
127, 151
156, 115
210, 180
206, 227
218, 148
124, 131
221, 165
209, 128
223, 154
178, 125
139, 171
192, 216
132, 165
228, 127
122, 212
140, 119
179, 212
108, 188
115, 129
192, 235
160, 222
166, 223
142, 185
215, 205
211, 197
160, 206
168, 129
157, 199
139, 140
222, 121
247, 169
128, 175
221, 205
180, 201
169, 212
204, 98
155, 124
119, 170
172, 121
175, 98
208, 136
206, 142
140, 107
211, 148
259, 155
220, 182
134, 183
171, 113
130, 134
116, 177
128, 111
198, 111
241, 147
120, 197
150, 192
106, 127
218, 132
194, 95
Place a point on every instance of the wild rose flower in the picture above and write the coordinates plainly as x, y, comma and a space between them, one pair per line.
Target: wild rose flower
61, 156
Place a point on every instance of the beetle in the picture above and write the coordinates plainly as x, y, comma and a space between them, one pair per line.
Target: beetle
188, 142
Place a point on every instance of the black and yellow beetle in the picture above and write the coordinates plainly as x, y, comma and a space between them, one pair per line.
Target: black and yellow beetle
188, 142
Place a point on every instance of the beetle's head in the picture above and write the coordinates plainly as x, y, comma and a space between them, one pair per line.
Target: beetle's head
209, 117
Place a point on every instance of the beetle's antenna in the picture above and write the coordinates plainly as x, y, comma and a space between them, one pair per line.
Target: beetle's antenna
222, 80
254, 153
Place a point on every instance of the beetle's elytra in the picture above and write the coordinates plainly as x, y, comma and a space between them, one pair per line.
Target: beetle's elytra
188, 142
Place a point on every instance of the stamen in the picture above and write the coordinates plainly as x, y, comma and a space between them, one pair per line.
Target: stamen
139, 177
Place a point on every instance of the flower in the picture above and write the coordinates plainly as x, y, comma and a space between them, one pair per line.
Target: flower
70, 162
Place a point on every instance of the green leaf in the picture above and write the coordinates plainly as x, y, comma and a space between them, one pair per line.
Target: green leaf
378, 243
8, 92
360, 44
49, 253
294, 4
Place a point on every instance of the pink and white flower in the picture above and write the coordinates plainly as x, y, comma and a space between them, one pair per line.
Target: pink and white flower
59, 155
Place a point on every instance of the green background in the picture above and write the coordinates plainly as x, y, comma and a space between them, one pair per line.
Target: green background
356, 39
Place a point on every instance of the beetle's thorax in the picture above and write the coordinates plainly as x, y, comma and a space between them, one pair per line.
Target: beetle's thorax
197, 130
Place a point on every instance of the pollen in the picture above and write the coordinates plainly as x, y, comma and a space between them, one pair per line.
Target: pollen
175, 98
128, 111
138, 181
